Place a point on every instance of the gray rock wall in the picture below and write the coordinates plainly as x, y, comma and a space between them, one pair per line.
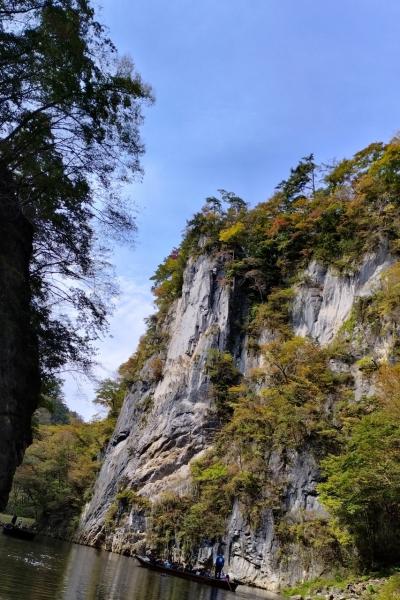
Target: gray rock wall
151, 451
256, 555
324, 301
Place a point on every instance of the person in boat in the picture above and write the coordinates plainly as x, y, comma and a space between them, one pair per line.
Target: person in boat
14, 520
151, 556
188, 567
219, 565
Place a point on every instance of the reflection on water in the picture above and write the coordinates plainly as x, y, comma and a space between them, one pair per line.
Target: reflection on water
48, 569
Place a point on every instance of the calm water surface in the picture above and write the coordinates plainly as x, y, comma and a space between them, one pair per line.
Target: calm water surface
48, 569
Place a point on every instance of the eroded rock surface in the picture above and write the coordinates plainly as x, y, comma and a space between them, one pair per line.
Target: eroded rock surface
152, 448
325, 299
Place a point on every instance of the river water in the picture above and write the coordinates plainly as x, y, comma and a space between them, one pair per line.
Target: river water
47, 569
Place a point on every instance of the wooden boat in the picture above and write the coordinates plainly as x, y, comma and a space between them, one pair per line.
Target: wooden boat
161, 568
18, 532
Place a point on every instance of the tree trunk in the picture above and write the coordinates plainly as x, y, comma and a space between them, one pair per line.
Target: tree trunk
19, 364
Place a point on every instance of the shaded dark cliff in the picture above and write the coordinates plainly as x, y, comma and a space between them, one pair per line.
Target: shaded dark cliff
19, 365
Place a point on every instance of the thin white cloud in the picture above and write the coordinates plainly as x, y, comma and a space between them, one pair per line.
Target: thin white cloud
127, 324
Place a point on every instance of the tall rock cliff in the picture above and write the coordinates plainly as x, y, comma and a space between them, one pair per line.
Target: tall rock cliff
19, 362
165, 425
273, 327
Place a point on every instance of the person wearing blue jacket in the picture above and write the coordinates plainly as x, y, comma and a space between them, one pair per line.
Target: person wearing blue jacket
219, 564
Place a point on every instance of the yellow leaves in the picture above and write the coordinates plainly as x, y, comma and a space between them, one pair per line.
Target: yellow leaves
235, 393
295, 359
273, 314
383, 175
233, 233
388, 388
389, 297
237, 389
391, 589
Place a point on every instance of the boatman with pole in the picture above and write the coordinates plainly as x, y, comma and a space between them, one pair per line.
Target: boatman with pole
219, 564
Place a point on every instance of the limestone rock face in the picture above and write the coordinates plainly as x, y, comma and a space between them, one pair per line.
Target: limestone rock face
325, 299
256, 555
164, 425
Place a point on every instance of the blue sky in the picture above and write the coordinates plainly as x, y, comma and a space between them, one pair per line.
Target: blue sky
244, 89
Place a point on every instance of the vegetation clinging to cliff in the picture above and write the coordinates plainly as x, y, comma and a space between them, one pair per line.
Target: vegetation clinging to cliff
282, 407
334, 216
296, 400
362, 489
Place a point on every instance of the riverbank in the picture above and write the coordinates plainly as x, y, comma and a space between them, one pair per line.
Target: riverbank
361, 588
22, 521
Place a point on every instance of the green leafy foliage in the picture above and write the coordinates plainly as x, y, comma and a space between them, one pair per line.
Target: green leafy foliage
110, 395
336, 223
58, 472
311, 535
151, 345
125, 500
233, 233
391, 589
223, 374
52, 408
166, 521
202, 234
362, 487
273, 314
195, 518
289, 407
301, 180
295, 400
335, 220
70, 112
282, 407
168, 279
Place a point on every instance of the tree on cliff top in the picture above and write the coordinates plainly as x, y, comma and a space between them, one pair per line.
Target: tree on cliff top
70, 112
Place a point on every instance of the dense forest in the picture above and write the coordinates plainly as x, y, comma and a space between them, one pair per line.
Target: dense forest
59, 468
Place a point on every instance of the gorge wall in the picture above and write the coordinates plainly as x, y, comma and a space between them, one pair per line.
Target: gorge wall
19, 360
167, 422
